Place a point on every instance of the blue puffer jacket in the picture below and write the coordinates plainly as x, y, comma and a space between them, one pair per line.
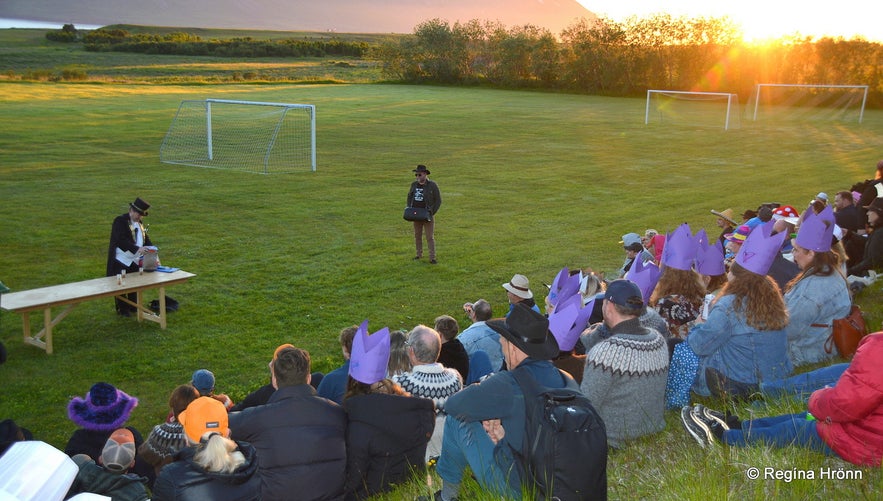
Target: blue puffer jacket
725, 342
184, 480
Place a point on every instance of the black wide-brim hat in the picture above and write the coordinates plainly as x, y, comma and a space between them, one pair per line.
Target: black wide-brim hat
422, 168
140, 206
528, 331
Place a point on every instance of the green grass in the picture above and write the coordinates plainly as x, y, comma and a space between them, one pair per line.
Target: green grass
531, 182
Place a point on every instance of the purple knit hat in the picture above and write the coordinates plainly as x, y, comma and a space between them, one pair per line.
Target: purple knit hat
760, 248
569, 320
105, 408
817, 230
564, 286
645, 276
680, 249
370, 355
709, 255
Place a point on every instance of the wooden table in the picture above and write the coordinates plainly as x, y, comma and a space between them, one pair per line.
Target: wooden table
72, 294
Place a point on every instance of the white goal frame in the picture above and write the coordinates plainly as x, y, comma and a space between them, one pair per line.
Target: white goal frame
201, 151
759, 87
732, 99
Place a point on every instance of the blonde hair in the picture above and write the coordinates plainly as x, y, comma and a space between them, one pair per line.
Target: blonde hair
218, 454
399, 362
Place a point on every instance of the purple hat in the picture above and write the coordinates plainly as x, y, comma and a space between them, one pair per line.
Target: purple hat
760, 248
370, 355
566, 333
105, 408
561, 323
645, 276
709, 255
816, 231
680, 249
564, 286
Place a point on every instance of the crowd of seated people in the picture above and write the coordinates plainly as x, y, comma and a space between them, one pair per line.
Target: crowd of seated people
722, 316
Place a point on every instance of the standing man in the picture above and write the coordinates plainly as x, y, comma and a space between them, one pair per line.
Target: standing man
424, 193
128, 237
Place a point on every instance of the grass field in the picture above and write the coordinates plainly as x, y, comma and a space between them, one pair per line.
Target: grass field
531, 182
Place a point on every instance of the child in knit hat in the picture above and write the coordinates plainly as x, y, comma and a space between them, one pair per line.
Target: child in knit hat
168, 438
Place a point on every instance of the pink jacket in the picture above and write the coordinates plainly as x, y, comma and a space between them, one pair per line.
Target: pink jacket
850, 415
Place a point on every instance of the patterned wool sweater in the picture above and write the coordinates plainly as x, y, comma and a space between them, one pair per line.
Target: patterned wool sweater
433, 381
625, 376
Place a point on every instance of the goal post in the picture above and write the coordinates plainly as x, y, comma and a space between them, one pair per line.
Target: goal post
834, 101
250, 136
718, 109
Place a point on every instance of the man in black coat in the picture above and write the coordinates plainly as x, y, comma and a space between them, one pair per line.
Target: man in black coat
300, 437
128, 237
424, 193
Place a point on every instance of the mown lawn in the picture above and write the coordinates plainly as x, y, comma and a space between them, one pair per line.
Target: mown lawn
531, 182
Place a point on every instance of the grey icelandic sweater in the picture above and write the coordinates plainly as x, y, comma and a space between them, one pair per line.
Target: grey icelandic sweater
625, 375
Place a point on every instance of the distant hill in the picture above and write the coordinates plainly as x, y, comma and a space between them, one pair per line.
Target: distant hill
349, 16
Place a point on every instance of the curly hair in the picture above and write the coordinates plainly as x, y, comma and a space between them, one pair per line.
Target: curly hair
686, 283
758, 298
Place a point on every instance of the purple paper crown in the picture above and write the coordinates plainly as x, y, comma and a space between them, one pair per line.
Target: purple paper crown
564, 286
645, 276
709, 255
817, 230
569, 320
105, 408
760, 249
680, 249
370, 356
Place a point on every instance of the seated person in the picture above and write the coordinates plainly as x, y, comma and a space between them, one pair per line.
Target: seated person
110, 475
872, 260
166, 439
387, 429
333, 385
452, 354
842, 421
626, 367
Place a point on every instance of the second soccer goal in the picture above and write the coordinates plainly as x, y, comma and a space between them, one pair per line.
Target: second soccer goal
242, 135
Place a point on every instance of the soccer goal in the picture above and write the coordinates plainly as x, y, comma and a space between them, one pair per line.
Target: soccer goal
242, 135
704, 109
797, 102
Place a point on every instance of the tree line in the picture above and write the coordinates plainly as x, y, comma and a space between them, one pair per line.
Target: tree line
598, 56
626, 58
186, 44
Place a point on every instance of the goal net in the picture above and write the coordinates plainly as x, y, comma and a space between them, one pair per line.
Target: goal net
698, 109
242, 135
795, 102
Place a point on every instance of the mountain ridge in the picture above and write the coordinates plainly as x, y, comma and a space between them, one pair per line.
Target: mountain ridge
350, 16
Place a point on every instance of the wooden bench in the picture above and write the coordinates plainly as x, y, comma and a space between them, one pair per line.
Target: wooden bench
72, 294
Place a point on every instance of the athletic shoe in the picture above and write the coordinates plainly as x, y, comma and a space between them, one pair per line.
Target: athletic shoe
696, 427
712, 415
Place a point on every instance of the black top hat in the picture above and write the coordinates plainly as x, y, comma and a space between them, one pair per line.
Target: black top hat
140, 206
528, 331
422, 168
876, 205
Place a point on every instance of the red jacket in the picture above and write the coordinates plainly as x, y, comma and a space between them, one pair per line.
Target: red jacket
850, 415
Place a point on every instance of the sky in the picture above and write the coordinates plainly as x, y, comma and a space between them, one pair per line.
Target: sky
763, 19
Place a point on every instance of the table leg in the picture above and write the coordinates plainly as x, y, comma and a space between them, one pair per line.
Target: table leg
162, 307
47, 329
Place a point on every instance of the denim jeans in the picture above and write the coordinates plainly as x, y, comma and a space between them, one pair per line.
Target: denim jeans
804, 384
467, 444
779, 431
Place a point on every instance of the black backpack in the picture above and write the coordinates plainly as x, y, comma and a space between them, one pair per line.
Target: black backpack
564, 455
